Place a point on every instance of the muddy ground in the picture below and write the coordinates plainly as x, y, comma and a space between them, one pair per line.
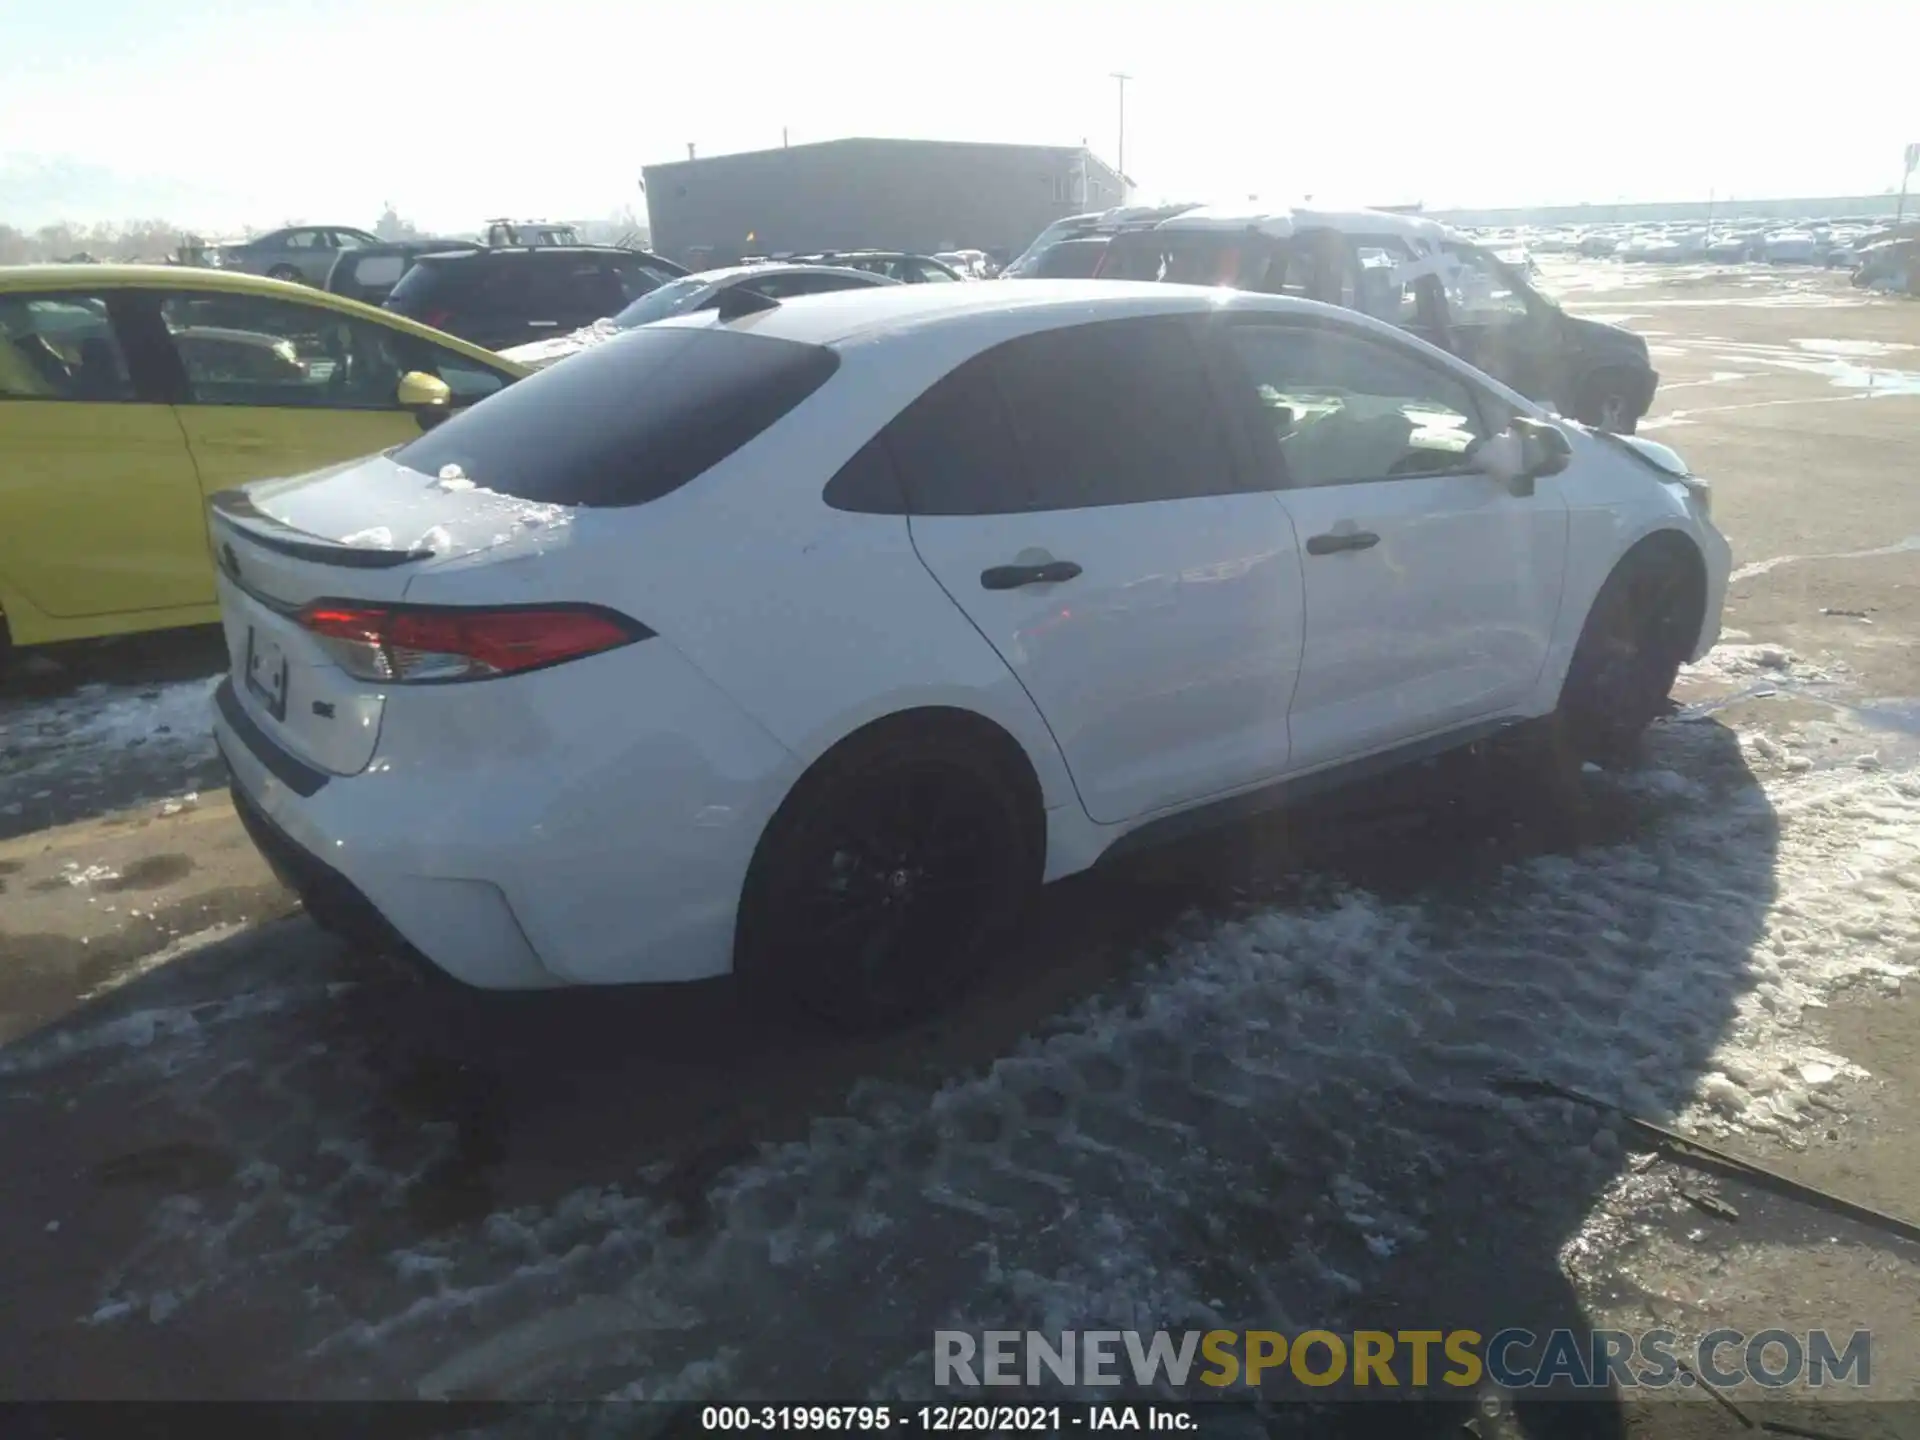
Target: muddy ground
1252, 1082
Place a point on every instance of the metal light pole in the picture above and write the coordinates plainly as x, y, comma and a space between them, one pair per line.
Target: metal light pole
1913, 163
1120, 160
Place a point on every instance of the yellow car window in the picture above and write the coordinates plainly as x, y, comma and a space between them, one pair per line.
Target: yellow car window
60, 347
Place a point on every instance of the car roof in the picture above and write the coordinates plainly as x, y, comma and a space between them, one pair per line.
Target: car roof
27, 279
843, 316
1289, 220
476, 250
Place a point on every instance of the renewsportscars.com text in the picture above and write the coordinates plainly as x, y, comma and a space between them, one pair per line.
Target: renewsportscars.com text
1385, 1360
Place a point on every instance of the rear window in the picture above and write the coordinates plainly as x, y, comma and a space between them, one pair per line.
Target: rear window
1069, 260
428, 283
628, 421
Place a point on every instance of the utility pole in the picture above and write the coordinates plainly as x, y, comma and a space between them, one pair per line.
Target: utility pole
1913, 163
1120, 159
689, 149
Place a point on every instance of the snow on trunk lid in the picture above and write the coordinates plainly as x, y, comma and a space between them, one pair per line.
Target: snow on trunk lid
355, 533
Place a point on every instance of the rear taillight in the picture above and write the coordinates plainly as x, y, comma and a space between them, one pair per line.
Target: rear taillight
417, 644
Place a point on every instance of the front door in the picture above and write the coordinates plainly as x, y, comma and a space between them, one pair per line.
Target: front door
274, 387
1431, 590
1498, 325
99, 502
1078, 494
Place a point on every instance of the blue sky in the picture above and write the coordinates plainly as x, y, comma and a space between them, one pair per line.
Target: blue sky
261, 111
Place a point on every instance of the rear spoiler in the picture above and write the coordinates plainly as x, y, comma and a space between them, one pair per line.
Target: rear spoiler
237, 509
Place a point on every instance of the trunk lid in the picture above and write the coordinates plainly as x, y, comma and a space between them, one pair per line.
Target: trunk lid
279, 545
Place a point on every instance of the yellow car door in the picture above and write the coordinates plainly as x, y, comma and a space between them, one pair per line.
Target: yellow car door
276, 387
100, 506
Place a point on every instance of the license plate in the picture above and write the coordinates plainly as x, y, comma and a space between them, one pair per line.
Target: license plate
267, 672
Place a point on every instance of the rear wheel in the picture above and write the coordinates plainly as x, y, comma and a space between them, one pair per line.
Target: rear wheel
877, 886
1637, 634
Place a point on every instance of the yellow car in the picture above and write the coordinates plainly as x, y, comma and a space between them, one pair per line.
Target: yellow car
130, 393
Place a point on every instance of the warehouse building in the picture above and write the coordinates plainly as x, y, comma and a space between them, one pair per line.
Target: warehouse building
918, 195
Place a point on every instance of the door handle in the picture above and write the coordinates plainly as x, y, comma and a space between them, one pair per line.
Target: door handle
1012, 577
1336, 541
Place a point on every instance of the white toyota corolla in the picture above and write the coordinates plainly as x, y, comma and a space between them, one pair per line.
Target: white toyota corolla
806, 641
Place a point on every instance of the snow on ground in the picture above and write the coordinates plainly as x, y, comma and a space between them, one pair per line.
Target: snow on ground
107, 743
1252, 1129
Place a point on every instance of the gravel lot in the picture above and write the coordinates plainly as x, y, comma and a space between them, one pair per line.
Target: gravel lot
1244, 1083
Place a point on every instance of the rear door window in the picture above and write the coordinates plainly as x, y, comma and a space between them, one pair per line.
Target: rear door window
953, 449
628, 421
61, 347
1116, 413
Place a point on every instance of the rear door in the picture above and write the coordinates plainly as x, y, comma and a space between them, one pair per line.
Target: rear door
1431, 590
99, 502
1079, 495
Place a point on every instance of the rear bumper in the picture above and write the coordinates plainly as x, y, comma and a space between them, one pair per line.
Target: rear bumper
590, 824
464, 927
335, 902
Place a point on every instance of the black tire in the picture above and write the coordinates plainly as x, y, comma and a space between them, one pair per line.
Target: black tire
873, 895
1639, 631
1607, 403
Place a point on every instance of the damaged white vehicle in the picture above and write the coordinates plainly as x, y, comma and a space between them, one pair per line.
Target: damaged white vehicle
807, 643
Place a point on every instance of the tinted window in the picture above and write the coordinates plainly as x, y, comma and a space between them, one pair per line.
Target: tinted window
60, 347
628, 421
1345, 408
953, 451
1069, 260
1117, 413
429, 283
571, 285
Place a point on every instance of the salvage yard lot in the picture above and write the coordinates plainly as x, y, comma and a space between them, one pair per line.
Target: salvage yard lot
1247, 1082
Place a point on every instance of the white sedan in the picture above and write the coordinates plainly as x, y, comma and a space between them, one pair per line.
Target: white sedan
806, 643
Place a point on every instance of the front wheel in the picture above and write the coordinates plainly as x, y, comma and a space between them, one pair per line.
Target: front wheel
876, 888
1629, 653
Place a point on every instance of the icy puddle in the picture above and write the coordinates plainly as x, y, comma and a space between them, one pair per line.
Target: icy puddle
1286, 1117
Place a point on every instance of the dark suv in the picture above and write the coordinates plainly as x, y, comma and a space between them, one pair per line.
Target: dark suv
503, 297
1419, 275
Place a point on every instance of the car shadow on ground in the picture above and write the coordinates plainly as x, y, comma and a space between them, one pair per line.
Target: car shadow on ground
96, 726
270, 1144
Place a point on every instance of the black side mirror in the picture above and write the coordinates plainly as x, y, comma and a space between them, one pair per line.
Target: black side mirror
1544, 448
